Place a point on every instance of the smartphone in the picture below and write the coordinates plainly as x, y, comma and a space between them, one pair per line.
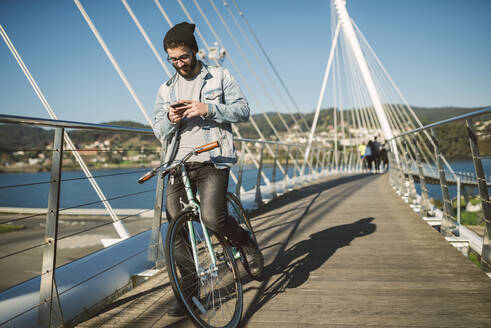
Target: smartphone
177, 105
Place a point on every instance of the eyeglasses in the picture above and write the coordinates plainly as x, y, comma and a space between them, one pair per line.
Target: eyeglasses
180, 58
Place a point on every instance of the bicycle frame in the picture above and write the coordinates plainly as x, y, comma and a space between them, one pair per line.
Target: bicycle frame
191, 204
194, 205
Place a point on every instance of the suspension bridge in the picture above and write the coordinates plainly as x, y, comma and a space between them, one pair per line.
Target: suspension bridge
344, 245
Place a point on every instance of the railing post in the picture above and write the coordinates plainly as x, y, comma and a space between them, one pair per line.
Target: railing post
317, 162
458, 198
294, 178
285, 178
345, 160
259, 198
49, 313
273, 177
484, 195
448, 227
313, 158
352, 162
156, 248
328, 165
465, 193
411, 188
323, 165
311, 167
425, 200
241, 170
304, 174
401, 178
391, 171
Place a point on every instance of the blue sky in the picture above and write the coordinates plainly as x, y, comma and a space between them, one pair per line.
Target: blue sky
437, 52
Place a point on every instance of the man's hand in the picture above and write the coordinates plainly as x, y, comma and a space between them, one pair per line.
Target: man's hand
187, 109
194, 108
175, 114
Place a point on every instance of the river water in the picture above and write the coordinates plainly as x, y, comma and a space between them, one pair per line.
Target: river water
121, 189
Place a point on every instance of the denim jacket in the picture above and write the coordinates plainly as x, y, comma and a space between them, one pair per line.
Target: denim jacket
226, 105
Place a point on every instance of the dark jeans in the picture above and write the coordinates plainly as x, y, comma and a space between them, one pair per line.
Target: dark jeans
211, 184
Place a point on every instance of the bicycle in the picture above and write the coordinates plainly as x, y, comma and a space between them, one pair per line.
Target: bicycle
202, 267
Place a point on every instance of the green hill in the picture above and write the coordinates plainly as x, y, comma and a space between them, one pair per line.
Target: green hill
31, 139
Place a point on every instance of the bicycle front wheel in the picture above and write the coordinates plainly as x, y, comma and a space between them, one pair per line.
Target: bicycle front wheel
210, 293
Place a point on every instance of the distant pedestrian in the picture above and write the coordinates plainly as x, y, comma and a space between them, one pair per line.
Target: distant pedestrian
376, 154
361, 150
384, 157
369, 155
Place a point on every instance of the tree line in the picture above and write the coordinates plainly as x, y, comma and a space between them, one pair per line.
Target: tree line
452, 137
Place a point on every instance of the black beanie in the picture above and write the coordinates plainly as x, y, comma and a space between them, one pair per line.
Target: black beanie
182, 32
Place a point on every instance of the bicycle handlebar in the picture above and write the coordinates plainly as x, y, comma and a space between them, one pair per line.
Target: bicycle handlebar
146, 177
195, 151
207, 147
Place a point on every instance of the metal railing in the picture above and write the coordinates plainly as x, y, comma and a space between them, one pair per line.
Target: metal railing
256, 177
408, 166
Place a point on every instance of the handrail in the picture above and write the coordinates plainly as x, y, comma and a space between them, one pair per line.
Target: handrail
269, 142
105, 127
450, 226
447, 121
70, 124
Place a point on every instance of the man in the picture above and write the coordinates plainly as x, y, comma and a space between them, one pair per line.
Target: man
195, 107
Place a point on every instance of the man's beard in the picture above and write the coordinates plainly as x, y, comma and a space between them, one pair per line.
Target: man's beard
189, 68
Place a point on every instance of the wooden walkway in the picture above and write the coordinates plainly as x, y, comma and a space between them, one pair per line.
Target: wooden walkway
347, 252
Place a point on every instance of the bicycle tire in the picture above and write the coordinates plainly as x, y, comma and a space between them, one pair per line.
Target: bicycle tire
235, 209
215, 299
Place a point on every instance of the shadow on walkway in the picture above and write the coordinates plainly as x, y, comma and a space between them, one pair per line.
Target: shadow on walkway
295, 264
304, 192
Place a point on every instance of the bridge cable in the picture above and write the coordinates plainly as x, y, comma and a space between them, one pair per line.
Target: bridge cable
123, 233
247, 62
113, 61
321, 96
356, 104
398, 112
237, 44
410, 110
147, 39
246, 38
241, 13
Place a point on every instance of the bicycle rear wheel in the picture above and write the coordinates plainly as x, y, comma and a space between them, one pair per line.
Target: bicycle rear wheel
235, 209
212, 296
